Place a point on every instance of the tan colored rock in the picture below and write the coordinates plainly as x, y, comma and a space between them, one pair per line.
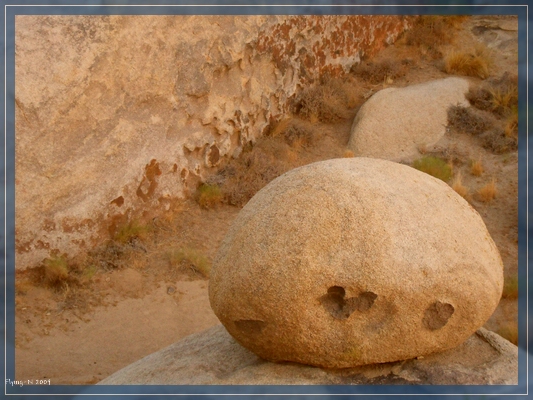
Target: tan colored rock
394, 122
355, 261
116, 115
212, 357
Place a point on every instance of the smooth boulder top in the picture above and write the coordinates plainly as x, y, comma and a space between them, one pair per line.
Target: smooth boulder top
213, 357
394, 122
355, 261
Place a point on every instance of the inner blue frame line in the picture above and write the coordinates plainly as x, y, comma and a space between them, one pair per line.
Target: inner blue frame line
93, 390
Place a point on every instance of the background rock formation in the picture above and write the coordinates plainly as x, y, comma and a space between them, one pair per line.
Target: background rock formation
212, 357
395, 122
116, 115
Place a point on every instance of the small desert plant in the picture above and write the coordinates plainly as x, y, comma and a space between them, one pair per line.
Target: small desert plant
461, 63
480, 97
488, 192
56, 270
243, 177
476, 167
190, 257
130, 231
379, 72
325, 102
509, 332
457, 185
297, 133
511, 125
209, 195
504, 100
510, 287
434, 166
432, 31
89, 271
498, 142
467, 120
499, 96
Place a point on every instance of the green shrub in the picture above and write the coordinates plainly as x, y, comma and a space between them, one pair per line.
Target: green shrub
434, 166
209, 195
129, 231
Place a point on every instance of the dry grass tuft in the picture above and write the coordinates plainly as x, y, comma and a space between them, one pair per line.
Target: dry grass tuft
330, 101
476, 167
468, 120
480, 97
56, 270
432, 31
380, 72
208, 196
488, 192
462, 190
190, 257
468, 64
511, 125
497, 141
434, 166
504, 100
499, 96
243, 177
131, 231
296, 132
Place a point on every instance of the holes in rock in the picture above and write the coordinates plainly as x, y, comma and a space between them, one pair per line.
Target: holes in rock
214, 155
437, 315
151, 171
118, 201
335, 303
250, 325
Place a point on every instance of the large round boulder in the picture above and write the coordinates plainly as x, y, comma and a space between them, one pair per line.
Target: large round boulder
355, 261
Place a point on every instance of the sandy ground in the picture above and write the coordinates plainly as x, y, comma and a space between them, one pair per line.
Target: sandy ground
82, 334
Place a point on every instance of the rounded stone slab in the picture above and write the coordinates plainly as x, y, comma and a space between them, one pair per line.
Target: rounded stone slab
212, 357
394, 122
355, 261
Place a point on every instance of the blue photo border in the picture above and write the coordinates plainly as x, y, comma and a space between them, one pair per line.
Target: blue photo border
221, 7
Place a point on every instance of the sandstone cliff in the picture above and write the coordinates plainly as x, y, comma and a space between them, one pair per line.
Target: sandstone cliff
116, 115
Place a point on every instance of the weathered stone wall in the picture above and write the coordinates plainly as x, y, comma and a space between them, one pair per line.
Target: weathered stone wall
120, 114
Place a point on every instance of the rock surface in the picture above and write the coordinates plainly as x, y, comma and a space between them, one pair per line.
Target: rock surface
355, 261
212, 357
116, 115
394, 122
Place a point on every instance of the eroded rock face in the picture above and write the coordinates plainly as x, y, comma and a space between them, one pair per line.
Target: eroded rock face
212, 357
120, 114
355, 261
394, 122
